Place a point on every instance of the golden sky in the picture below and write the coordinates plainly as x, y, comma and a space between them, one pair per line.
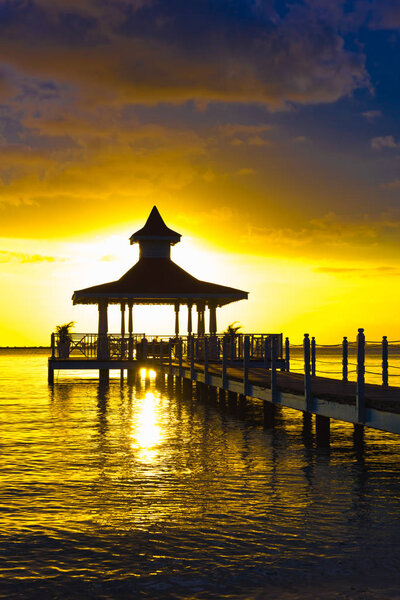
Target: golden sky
266, 133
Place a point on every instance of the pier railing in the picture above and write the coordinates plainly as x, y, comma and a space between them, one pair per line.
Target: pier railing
379, 361
130, 347
376, 361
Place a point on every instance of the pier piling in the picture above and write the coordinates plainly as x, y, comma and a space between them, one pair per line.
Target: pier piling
322, 430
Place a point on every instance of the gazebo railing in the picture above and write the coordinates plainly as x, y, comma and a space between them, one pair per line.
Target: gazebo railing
115, 346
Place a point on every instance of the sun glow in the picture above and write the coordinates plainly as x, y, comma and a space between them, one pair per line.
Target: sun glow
146, 430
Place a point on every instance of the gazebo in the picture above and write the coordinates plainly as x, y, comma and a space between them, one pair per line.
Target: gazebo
156, 279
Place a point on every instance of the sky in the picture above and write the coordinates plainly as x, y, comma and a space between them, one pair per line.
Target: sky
267, 133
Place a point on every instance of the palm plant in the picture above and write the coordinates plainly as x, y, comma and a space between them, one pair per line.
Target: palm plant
64, 331
232, 328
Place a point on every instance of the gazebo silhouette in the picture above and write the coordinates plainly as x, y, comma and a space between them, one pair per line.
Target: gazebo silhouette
156, 280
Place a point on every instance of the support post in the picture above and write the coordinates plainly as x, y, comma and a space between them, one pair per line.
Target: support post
213, 319
267, 350
170, 356
360, 400
269, 414
50, 371
191, 344
307, 376
313, 356
224, 362
205, 361
269, 407
345, 359
246, 364
176, 319
200, 320
102, 349
130, 330
161, 354
287, 354
322, 430
189, 323
180, 351
53, 346
385, 361
122, 319
274, 391
131, 376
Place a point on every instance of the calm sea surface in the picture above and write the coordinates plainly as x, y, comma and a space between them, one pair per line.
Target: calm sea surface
134, 492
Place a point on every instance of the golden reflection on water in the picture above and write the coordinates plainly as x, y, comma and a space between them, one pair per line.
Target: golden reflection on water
146, 430
147, 374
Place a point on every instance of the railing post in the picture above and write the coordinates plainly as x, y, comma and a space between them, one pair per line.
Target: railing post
224, 362
180, 345
385, 363
246, 361
273, 369
307, 376
170, 355
206, 360
144, 347
191, 342
161, 353
53, 346
345, 359
267, 346
313, 356
233, 346
360, 400
287, 354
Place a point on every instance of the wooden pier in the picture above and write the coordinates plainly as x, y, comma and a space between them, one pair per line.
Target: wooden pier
257, 366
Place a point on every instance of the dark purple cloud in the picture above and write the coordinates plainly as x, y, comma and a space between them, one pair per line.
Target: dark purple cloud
152, 51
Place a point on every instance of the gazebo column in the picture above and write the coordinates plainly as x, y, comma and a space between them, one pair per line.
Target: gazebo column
130, 330
213, 319
131, 372
122, 351
176, 319
200, 319
102, 346
189, 323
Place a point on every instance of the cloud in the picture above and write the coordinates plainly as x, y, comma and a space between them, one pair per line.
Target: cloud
246, 171
301, 139
234, 129
392, 185
386, 141
331, 232
371, 115
379, 14
124, 51
366, 271
21, 257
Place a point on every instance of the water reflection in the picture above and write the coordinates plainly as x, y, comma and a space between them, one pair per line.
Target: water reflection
146, 431
111, 491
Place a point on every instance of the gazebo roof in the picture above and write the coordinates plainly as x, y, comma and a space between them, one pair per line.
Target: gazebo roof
156, 279
155, 229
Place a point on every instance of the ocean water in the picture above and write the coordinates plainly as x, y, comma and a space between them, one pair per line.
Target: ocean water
111, 491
